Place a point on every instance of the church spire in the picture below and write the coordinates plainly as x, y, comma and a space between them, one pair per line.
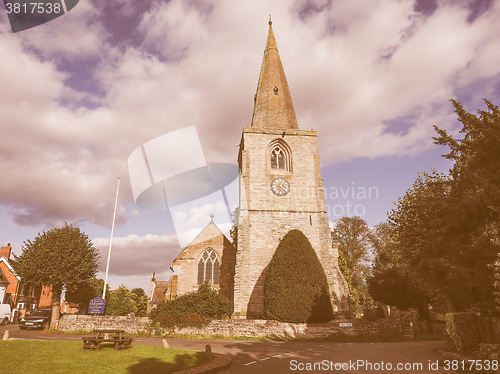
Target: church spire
273, 107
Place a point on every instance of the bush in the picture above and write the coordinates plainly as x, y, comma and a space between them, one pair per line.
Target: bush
194, 309
295, 287
463, 331
489, 352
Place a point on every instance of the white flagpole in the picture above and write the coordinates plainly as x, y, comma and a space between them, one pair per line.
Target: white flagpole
111, 241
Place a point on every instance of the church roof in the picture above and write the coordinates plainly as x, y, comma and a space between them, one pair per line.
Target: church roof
159, 291
273, 107
209, 232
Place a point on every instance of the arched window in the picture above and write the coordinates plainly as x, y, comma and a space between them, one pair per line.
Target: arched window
208, 267
280, 155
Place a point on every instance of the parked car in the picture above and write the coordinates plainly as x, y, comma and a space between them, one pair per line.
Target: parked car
5, 314
39, 319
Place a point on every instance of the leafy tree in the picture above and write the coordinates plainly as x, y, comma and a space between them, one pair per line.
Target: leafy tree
120, 302
475, 187
233, 233
389, 283
141, 301
295, 287
355, 241
58, 258
83, 292
421, 224
446, 228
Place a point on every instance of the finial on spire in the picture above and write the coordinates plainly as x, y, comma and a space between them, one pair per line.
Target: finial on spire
270, 22
212, 217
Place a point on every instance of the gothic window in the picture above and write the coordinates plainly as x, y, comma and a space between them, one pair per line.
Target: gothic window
280, 155
208, 267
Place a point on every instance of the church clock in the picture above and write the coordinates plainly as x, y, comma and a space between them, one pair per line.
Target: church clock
280, 186
274, 154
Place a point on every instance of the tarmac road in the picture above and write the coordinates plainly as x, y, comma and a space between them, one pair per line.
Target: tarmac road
301, 357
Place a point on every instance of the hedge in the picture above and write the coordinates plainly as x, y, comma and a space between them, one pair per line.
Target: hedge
194, 309
463, 331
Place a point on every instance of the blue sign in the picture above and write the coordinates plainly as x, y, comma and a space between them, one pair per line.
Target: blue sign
96, 305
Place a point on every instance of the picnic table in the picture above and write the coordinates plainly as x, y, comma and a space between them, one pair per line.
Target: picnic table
107, 336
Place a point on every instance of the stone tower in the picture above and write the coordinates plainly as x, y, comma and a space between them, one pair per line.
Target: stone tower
280, 190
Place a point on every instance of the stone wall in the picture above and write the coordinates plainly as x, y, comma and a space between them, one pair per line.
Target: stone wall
74, 322
264, 328
243, 328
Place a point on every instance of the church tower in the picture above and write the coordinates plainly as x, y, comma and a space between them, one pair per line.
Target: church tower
280, 190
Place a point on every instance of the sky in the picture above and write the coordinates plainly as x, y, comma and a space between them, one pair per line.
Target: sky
85, 96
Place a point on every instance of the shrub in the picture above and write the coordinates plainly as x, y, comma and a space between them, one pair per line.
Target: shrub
489, 352
194, 309
463, 331
295, 287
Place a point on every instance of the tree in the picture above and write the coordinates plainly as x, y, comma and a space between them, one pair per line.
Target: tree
141, 301
120, 302
389, 283
355, 241
295, 287
446, 228
425, 238
83, 292
476, 187
233, 233
58, 258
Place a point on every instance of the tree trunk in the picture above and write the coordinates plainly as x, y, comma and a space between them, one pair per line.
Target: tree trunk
450, 305
56, 305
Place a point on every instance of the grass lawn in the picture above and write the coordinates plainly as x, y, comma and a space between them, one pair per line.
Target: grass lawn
32, 356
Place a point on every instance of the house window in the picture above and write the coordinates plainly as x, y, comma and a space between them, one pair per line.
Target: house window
280, 155
208, 267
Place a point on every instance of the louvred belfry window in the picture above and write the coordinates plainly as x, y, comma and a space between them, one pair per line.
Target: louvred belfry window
208, 267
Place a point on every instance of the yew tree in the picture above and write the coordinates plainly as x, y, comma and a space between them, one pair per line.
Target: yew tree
446, 228
59, 258
295, 287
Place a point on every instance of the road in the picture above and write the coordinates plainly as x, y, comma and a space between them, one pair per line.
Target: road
302, 357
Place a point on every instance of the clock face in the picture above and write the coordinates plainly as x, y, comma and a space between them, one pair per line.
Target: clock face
280, 186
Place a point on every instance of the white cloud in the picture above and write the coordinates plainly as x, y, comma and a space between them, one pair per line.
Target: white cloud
351, 66
137, 256
76, 35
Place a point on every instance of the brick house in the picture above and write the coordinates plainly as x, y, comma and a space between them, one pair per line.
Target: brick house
12, 290
20, 295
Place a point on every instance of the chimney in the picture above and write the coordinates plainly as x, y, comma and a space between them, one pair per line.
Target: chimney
5, 251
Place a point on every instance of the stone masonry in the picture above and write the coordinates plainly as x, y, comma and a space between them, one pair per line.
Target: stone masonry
264, 217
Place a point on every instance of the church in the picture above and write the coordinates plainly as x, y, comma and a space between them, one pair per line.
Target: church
281, 189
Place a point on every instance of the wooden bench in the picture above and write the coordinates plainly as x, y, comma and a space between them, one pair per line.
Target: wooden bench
119, 341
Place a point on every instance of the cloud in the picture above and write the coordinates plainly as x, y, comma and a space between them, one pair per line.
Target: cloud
77, 35
137, 256
353, 67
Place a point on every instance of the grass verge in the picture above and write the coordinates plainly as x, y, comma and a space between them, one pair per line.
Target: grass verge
30, 356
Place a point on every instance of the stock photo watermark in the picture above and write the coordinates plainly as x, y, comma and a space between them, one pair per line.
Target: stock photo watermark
350, 200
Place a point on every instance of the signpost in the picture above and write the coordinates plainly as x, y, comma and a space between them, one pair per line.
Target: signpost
96, 305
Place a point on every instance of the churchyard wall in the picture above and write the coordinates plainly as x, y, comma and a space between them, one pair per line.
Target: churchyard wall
73, 322
242, 328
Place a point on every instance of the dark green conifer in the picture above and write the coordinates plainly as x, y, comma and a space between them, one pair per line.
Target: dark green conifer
295, 287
